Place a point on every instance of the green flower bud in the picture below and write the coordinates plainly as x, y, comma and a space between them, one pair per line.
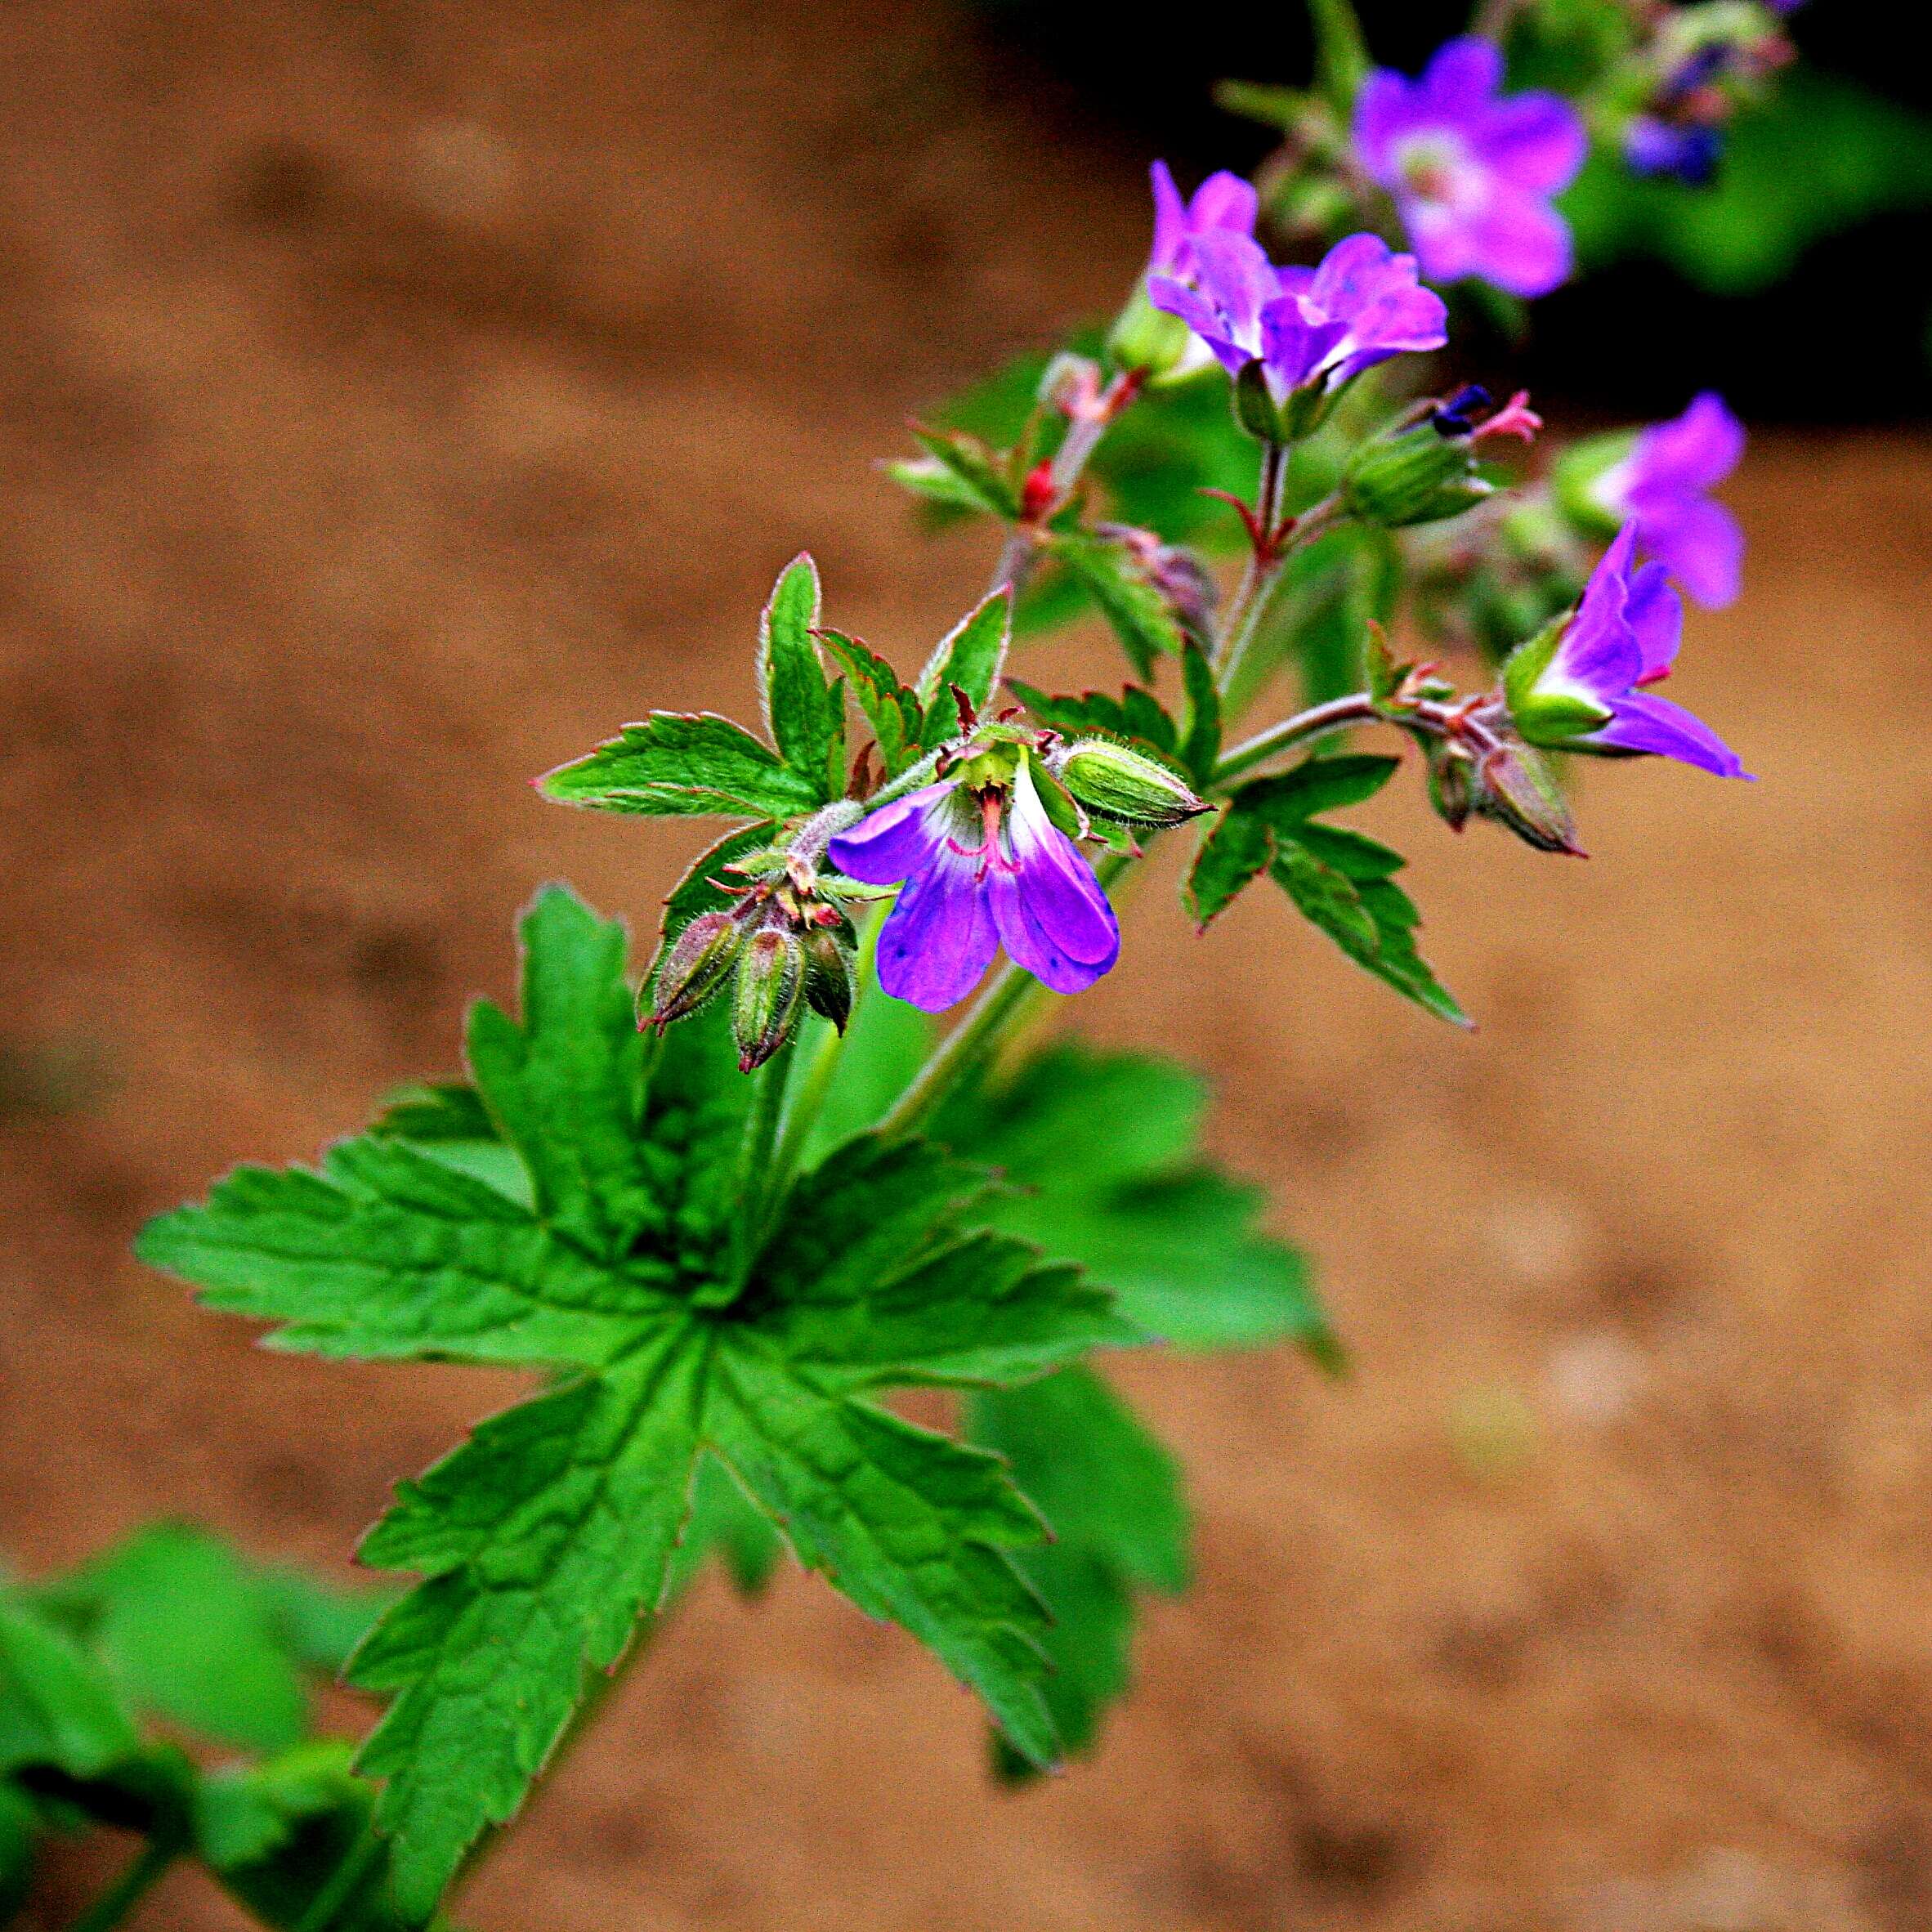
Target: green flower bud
1119, 783
770, 990
1451, 789
1576, 482
1148, 339
1416, 476
831, 982
695, 967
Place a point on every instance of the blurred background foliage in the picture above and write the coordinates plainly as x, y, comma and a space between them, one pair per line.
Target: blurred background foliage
1799, 283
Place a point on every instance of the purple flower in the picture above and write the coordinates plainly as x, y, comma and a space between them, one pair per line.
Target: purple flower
1223, 202
983, 867
1581, 688
1320, 326
1472, 172
1662, 486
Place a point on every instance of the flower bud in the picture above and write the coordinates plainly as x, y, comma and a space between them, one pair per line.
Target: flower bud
1515, 786
697, 966
830, 981
1148, 339
1582, 482
1452, 790
770, 990
1119, 783
1422, 474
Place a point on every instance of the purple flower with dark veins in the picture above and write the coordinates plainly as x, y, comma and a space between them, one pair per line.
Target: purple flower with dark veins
1580, 685
983, 866
1663, 485
1316, 328
1472, 171
1224, 203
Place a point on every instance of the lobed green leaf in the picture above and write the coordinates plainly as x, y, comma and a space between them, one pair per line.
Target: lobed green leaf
679, 763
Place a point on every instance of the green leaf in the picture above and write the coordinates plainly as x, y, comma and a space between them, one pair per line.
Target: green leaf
58, 1709
1135, 716
1112, 1495
678, 763
1200, 746
20, 1839
967, 662
292, 1838
188, 1630
1101, 1154
565, 1087
1339, 880
806, 718
892, 710
447, 1110
1377, 927
725, 1521
1141, 618
543, 1539
960, 472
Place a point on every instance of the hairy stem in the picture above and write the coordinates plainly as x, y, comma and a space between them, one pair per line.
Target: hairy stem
112, 1908
1248, 618
757, 1183
1303, 728
1083, 433
808, 1098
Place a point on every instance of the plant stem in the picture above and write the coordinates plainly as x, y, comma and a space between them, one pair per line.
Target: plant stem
1084, 432
1337, 714
112, 1908
1247, 617
344, 1882
755, 1186
1267, 512
802, 1115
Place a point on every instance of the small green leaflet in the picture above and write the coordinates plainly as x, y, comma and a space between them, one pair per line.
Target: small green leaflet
1136, 715
1339, 880
893, 710
1113, 1493
698, 763
958, 473
805, 717
1142, 619
964, 665
542, 1538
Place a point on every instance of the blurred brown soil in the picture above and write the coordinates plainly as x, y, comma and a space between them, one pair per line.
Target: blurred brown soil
394, 397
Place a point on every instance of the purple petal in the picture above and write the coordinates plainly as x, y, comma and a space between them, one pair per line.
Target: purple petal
1463, 74
1656, 618
1224, 200
940, 937
1445, 241
894, 842
1383, 109
1296, 349
1699, 540
1693, 452
1352, 274
1598, 653
1519, 242
1237, 277
1203, 317
1535, 142
1170, 223
1030, 910
1056, 884
1644, 723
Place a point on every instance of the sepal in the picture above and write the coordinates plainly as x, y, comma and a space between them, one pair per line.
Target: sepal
1118, 782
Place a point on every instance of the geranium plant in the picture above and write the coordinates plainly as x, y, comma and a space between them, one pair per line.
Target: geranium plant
724, 1194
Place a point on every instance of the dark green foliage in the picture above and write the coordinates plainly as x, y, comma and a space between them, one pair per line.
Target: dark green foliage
613, 1261
1339, 880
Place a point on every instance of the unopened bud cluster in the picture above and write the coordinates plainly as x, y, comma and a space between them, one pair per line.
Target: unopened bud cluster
787, 946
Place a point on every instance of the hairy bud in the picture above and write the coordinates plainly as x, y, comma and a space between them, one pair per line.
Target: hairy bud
770, 990
1147, 339
1119, 783
1422, 474
831, 982
1515, 786
695, 968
